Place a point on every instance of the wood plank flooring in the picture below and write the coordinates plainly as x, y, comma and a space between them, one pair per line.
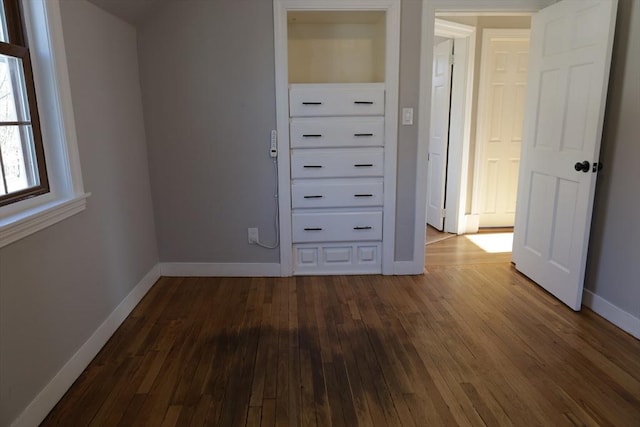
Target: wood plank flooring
433, 235
461, 251
465, 344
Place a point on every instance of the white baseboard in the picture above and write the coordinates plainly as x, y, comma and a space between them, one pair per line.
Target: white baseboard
195, 269
38, 409
471, 223
614, 314
407, 268
207, 269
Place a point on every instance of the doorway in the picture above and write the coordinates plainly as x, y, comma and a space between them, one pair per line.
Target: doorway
564, 105
470, 183
447, 194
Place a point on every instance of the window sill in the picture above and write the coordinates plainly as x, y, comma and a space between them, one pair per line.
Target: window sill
27, 222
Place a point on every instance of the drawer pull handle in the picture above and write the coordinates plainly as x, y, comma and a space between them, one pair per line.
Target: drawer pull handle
363, 165
312, 135
363, 195
313, 229
363, 228
313, 197
312, 166
312, 103
362, 134
363, 102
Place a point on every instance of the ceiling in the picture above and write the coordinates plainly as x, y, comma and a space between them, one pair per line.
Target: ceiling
132, 11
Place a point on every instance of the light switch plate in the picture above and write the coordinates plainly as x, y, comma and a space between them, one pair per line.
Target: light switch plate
407, 116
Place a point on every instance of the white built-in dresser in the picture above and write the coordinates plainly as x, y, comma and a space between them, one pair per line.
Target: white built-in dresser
336, 90
337, 173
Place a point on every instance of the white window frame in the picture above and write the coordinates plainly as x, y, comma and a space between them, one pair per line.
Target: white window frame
43, 24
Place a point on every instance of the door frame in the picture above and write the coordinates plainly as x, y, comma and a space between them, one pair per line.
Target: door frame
429, 10
392, 78
464, 42
487, 35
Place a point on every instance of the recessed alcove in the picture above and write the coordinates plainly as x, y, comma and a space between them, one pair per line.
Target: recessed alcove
336, 46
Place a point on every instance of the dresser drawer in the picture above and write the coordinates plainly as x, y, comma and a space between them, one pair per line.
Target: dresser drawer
336, 193
338, 163
308, 100
336, 226
337, 132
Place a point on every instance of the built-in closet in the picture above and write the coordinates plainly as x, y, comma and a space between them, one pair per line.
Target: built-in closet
339, 138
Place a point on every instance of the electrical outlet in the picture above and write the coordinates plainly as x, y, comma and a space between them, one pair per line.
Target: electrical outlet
252, 234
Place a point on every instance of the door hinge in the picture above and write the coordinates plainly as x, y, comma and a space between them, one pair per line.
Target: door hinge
452, 59
443, 213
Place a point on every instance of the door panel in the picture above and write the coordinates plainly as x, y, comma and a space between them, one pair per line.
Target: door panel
571, 45
501, 112
439, 133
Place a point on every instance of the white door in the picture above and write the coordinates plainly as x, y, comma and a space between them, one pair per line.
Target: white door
439, 133
570, 54
503, 84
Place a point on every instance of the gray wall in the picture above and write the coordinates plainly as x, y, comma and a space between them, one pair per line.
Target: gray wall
613, 267
207, 73
210, 107
58, 285
410, 31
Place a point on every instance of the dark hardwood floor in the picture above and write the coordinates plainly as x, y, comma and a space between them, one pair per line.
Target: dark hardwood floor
465, 344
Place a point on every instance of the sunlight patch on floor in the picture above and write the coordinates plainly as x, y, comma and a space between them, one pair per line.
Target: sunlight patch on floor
492, 243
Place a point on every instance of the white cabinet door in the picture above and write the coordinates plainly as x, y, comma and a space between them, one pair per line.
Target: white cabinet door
439, 133
568, 75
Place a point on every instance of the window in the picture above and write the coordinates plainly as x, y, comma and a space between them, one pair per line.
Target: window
37, 197
23, 172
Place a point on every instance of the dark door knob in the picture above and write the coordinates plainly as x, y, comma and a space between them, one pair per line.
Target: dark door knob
582, 166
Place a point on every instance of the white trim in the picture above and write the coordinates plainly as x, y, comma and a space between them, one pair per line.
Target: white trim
494, 13
488, 35
39, 407
44, 30
407, 268
444, 28
337, 272
285, 5
212, 269
392, 83
282, 124
392, 78
53, 89
614, 314
484, 7
460, 121
36, 219
471, 223
58, 78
